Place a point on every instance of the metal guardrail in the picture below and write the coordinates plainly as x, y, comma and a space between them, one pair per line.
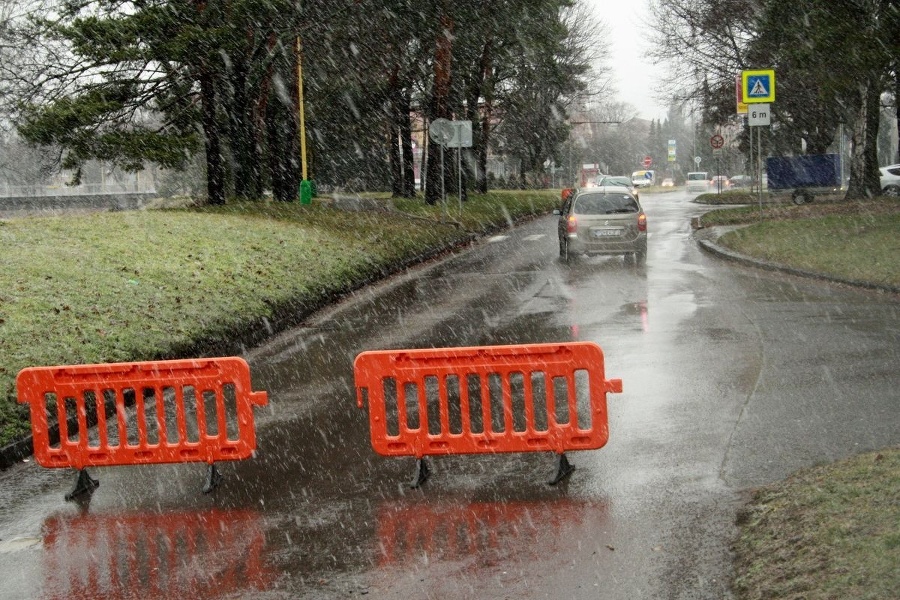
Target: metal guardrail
44, 191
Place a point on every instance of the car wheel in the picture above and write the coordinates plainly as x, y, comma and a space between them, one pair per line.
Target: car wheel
892, 190
564, 251
640, 257
801, 196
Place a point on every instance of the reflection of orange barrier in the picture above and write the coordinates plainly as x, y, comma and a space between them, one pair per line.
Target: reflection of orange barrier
204, 554
198, 410
523, 398
451, 532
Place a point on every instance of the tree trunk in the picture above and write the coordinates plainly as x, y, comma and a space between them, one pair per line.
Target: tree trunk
440, 106
395, 159
394, 156
409, 174
485, 125
215, 167
864, 180
243, 139
282, 131
215, 164
897, 105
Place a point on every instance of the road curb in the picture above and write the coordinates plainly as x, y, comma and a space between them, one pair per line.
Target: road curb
728, 254
15, 452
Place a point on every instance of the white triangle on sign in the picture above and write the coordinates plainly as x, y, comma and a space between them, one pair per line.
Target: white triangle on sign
759, 89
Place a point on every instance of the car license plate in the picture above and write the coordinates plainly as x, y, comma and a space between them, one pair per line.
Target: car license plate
599, 233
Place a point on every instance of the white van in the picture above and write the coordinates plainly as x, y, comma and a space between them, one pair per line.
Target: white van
643, 178
697, 181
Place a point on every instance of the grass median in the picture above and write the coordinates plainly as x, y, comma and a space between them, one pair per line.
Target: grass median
158, 284
851, 240
831, 531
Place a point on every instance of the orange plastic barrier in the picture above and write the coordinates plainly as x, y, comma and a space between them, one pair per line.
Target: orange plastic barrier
194, 410
522, 398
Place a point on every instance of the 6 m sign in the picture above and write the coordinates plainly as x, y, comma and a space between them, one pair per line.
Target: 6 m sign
759, 114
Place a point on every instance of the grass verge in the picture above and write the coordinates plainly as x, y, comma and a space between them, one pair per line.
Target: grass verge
851, 240
728, 197
826, 532
144, 285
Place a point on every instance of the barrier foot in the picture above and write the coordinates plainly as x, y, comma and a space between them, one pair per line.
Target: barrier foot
213, 477
422, 473
563, 469
84, 485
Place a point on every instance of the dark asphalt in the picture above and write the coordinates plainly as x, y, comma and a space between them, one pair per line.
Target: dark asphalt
733, 377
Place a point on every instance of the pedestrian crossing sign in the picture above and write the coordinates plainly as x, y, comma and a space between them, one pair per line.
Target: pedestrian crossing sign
758, 86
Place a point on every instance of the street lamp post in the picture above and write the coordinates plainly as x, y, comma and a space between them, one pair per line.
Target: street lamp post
305, 191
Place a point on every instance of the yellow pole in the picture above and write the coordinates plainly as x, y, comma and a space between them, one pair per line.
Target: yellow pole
300, 108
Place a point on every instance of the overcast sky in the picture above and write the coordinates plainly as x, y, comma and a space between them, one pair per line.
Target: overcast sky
634, 76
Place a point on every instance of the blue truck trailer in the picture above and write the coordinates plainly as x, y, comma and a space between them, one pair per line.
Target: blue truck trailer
804, 176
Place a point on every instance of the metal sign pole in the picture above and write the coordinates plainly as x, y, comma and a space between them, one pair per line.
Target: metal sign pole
750, 159
443, 191
459, 176
759, 163
718, 175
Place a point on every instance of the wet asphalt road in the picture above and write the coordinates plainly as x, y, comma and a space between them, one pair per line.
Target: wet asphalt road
733, 377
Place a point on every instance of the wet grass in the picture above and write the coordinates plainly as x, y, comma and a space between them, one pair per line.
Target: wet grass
857, 248
826, 532
158, 284
728, 197
852, 240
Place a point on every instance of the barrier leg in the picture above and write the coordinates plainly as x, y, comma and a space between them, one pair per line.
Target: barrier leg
213, 477
422, 473
563, 469
83, 485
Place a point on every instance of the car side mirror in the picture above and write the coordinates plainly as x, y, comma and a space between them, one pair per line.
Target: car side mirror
557, 212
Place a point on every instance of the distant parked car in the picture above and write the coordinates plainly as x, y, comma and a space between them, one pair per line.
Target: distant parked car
602, 220
890, 180
697, 181
719, 183
739, 181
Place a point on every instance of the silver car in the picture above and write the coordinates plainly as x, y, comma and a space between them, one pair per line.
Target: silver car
602, 220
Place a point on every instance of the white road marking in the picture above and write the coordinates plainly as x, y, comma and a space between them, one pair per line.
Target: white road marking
535, 237
497, 238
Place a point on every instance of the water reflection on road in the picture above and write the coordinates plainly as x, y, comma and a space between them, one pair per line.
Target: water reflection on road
201, 554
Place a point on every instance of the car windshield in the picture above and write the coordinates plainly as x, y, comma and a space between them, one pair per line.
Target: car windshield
696, 176
624, 181
605, 204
